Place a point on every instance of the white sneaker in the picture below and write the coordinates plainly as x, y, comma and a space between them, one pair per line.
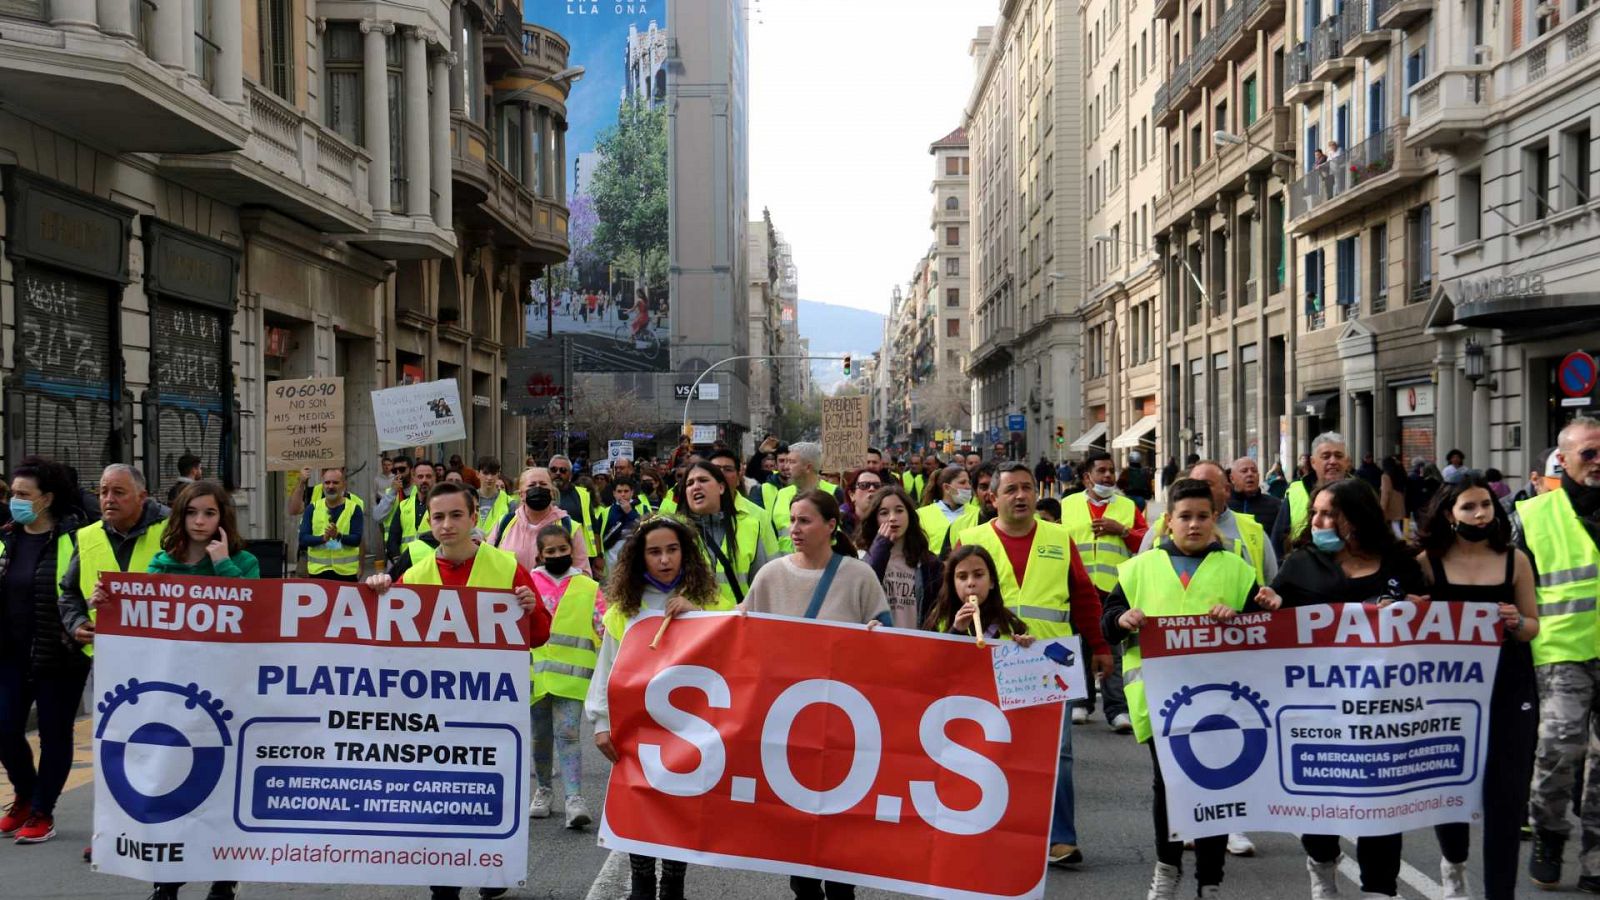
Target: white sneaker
540, 807
1239, 844
1453, 878
1324, 879
1164, 884
1210, 890
1121, 724
1080, 715
577, 812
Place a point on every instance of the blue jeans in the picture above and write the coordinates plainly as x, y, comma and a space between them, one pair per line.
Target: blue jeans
1063, 819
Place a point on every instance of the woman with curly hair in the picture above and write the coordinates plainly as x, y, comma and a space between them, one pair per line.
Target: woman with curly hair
661, 569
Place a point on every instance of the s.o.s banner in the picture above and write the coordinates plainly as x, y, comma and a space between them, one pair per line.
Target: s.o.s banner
1343, 719
806, 748
310, 731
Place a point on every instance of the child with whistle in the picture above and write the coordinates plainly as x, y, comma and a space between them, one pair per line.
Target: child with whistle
1189, 573
970, 602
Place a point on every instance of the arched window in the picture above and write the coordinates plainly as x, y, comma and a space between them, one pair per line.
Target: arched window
952, 203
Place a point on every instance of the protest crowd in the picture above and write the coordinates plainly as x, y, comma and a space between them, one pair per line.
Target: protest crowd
955, 544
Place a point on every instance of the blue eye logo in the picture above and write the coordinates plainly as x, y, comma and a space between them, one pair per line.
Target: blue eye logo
1217, 721
148, 728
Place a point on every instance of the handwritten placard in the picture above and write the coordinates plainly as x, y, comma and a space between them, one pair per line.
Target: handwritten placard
414, 414
1045, 672
305, 424
844, 433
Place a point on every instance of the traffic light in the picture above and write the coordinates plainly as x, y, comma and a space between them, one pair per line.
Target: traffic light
1061, 434
847, 365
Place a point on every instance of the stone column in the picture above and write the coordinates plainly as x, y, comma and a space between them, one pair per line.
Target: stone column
1445, 408
415, 123
439, 150
227, 23
375, 107
458, 52
530, 143
186, 38
73, 15
166, 34
1478, 453
116, 18
558, 157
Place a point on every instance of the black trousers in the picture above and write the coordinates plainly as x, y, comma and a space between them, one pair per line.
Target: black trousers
817, 889
1378, 857
1209, 852
57, 694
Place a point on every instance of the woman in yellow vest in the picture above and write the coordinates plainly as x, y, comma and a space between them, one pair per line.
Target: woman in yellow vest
561, 670
202, 538
953, 512
659, 570
1189, 574
730, 537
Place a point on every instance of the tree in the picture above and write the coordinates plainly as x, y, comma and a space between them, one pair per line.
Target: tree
605, 413
629, 190
800, 421
943, 403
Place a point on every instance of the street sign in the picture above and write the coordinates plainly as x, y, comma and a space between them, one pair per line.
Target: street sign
1577, 374
994, 434
709, 390
1016, 422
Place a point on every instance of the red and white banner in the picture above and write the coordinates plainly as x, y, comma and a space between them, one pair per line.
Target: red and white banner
879, 758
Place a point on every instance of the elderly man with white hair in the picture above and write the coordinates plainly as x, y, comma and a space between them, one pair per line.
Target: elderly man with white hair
1330, 462
126, 539
805, 474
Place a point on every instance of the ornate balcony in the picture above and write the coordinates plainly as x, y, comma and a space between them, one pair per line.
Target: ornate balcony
535, 227
1330, 57
993, 351
1264, 15
544, 49
502, 41
1450, 107
1402, 13
1297, 76
469, 159
1371, 170
1237, 39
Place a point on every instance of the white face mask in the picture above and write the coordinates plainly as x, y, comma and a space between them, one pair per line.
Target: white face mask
963, 496
1105, 491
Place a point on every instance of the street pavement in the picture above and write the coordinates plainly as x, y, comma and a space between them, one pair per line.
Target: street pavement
1113, 780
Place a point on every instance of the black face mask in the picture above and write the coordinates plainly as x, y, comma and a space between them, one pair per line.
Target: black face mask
1474, 533
557, 565
538, 498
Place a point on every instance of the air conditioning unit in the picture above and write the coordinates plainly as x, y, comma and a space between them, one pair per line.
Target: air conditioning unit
1483, 54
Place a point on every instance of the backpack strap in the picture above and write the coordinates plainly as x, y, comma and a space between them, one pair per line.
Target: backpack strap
821, 593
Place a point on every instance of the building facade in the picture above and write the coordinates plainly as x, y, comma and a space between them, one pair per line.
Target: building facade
1024, 123
265, 191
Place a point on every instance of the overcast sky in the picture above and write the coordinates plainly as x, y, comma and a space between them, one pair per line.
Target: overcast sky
845, 97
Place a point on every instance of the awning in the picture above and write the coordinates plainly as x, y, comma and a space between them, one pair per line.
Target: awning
1098, 432
1316, 403
1134, 436
1512, 312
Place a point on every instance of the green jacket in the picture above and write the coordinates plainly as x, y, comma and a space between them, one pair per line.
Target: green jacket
241, 565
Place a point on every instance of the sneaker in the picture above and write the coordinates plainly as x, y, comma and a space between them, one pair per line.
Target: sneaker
1324, 878
1589, 884
577, 813
540, 807
1065, 855
39, 828
1453, 878
1121, 724
223, 890
1544, 863
16, 816
1239, 844
1164, 883
1080, 715
165, 892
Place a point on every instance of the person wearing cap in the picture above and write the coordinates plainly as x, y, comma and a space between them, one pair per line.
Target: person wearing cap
1561, 535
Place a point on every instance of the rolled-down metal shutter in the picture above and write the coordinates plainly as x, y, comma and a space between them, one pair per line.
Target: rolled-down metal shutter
69, 365
189, 354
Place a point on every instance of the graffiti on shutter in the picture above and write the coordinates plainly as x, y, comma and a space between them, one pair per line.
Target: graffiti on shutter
67, 358
189, 354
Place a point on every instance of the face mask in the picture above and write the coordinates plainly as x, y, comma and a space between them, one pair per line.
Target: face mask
1474, 533
22, 511
557, 565
538, 498
1105, 491
1327, 540
334, 544
963, 496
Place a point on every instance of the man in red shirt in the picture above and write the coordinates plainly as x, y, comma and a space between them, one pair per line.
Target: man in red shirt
1060, 592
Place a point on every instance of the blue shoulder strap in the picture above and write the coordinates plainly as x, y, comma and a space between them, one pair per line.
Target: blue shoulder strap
821, 593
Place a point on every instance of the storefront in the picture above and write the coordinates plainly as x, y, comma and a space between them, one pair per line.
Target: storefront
66, 397
1414, 422
190, 406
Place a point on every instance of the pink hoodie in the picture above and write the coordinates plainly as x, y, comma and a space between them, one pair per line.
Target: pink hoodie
521, 538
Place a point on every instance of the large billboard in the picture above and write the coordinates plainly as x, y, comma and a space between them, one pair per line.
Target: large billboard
611, 296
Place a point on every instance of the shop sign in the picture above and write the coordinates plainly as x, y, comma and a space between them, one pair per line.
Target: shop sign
1413, 400
1499, 287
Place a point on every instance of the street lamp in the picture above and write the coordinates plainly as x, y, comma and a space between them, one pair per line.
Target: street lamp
1226, 137
1106, 238
571, 74
1476, 359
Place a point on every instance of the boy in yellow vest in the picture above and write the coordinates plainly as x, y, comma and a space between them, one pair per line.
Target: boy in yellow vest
1189, 574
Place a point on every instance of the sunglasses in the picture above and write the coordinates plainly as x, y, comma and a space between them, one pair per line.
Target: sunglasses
1589, 454
868, 485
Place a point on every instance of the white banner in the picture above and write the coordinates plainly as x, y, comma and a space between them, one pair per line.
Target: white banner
300, 731
616, 450
415, 414
1345, 719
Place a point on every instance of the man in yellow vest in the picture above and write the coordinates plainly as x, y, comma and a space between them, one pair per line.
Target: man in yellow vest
412, 510
1237, 531
1561, 535
331, 529
1043, 581
1106, 527
126, 539
805, 464
1330, 461
462, 562
573, 498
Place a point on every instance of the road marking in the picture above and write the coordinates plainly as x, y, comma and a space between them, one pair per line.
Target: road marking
611, 882
1410, 875
82, 757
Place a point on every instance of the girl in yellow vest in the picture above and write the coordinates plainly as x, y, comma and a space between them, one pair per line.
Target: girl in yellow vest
1189, 574
561, 671
661, 569
202, 538
970, 572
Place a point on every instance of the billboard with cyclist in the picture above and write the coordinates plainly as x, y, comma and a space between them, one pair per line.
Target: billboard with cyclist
611, 295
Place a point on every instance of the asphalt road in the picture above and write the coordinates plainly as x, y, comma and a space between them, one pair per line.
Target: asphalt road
1113, 822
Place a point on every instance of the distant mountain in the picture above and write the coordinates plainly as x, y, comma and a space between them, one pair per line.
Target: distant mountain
834, 330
